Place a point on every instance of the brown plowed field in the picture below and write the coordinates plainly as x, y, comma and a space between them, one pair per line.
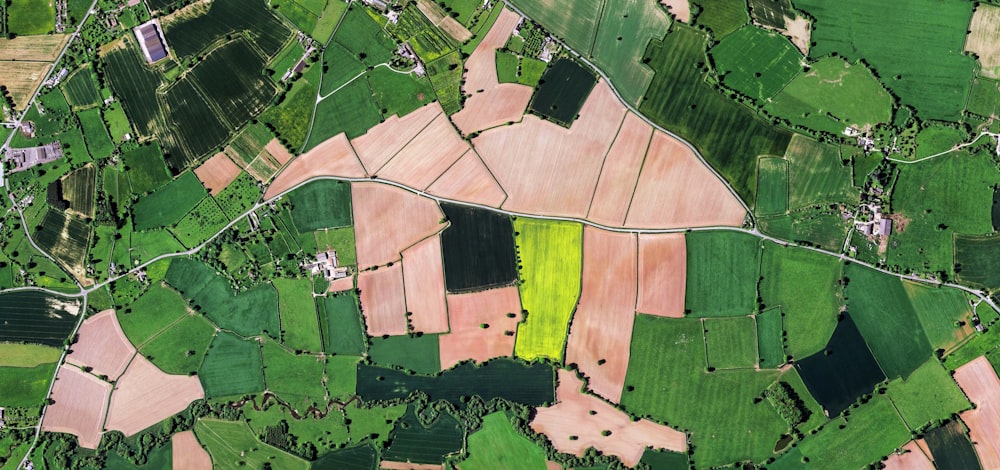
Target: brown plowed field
423, 279
22, 79
469, 313
80, 404
491, 103
662, 274
620, 172
146, 395
217, 172
333, 157
188, 454
41, 48
389, 219
436, 15
980, 383
427, 156
409, 466
469, 180
547, 169
602, 325
676, 189
585, 416
341, 285
381, 142
103, 346
278, 151
681, 9
913, 459
382, 300
550, 465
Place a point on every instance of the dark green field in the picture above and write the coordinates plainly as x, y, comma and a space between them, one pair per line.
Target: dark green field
564, 87
343, 331
721, 16
65, 237
191, 127
167, 205
722, 270
817, 174
245, 91
135, 85
772, 186
79, 188
251, 312
728, 135
416, 353
950, 446
355, 458
297, 310
478, 249
413, 442
977, 261
226, 17
321, 204
232, 367
756, 62
80, 88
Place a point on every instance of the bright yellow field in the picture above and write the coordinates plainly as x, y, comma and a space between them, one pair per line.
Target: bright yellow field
27, 355
551, 261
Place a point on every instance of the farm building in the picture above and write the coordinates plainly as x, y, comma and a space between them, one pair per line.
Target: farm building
326, 263
25, 158
151, 40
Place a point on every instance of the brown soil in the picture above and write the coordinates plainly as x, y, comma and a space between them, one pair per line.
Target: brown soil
80, 405
146, 395
468, 314
662, 275
334, 157
387, 220
620, 172
382, 300
188, 453
102, 346
423, 281
469, 180
217, 172
980, 383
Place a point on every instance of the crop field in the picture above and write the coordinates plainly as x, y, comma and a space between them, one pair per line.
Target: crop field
135, 85
551, 255
203, 221
417, 353
730, 343
411, 441
770, 338
528, 384
249, 313
25, 386
816, 174
361, 457
976, 261
192, 35
564, 88
721, 17
66, 238
96, 133
21, 79
245, 92
497, 444
883, 36
984, 99
843, 371
506, 67
81, 88
80, 406
871, 432
756, 62
576, 24
922, 196
478, 249
79, 188
28, 17
191, 127
445, 75
625, 30
233, 445
27, 355
733, 428
320, 205
722, 270
772, 186
153, 311
232, 367
939, 311
168, 204
929, 394
40, 48
728, 135
771, 13
886, 318
951, 448
297, 379
299, 322
181, 348
397, 93
343, 332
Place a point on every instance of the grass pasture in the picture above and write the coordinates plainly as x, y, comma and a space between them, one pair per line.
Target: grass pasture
871, 432
28, 17
936, 139
181, 348
78, 190
939, 311
929, 394
577, 24
320, 205
399, 93
976, 260
551, 262
625, 30
756, 62
722, 270
297, 379
233, 366
249, 313
770, 338
95, 133
772, 186
152, 312
80, 88
25, 386
445, 75
292, 118
27, 355
507, 64
168, 204
343, 331
203, 221
731, 343
232, 444
721, 16
417, 353
497, 445
984, 99
817, 175
351, 110
299, 322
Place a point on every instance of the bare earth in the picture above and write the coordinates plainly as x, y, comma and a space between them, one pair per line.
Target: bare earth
602, 325
912, 459
676, 190
278, 151
980, 383
409, 466
427, 156
382, 300
436, 15
341, 285
662, 275
333, 157
547, 169
188, 454
423, 280
41, 48
491, 103
468, 314
146, 395
585, 416
410, 218
381, 142
80, 404
21, 79
102, 346
469, 180
620, 173
681, 9
798, 30
217, 172
983, 38
550, 465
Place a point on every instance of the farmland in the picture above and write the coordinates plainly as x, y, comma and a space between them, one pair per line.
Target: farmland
249, 313
192, 35
772, 186
181, 347
951, 447
296, 378
976, 257
870, 433
478, 249
577, 25
168, 204
320, 205
80, 88
770, 338
230, 443
625, 30
416, 353
731, 343
756, 62
551, 258
498, 444
722, 269
27, 17
232, 367
565, 88
929, 394
25, 386
35, 317
817, 174
299, 326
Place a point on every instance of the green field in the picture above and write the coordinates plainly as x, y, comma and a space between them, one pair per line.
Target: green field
343, 331
733, 428
551, 261
625, 30
531, 71
27, 17
417, 442
870, 433
320, 205
145, 169
297, 379
95, 133
250, 312
770, 338
234, 445
152, 243
155, 309
756, 62
720, 16
292, 118
976, 260
984, 99
817, 175
232, 367
351, 110
832, 95
399, 93
202, 222
804, 285
731, 343
417, 353
722, 270
445, 75
728, 134
936, 139
25, 386
428, 41
27, 355
498, 445
299, 324
80, 88
181, 348
929, 394
577, 24
167, 205
507, 64
935, 79
939, 309
772, 186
